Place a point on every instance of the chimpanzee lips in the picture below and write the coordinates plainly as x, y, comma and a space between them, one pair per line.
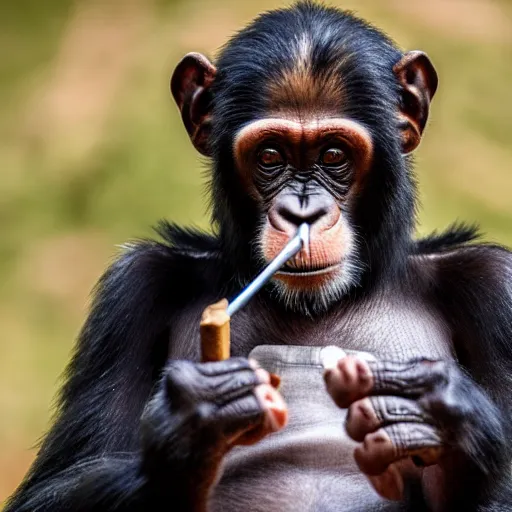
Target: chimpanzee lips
292, 268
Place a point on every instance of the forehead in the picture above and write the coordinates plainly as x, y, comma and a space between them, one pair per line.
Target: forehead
303, 87
297, 130
304, 133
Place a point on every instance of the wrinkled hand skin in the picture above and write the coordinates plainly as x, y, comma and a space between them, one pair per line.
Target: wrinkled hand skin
428, 410
199, 412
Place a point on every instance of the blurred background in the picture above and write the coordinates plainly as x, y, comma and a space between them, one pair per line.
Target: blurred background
92, 153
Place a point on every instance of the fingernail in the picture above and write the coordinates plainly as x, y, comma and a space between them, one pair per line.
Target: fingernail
262, 375
254, 364
275, 380
329, 356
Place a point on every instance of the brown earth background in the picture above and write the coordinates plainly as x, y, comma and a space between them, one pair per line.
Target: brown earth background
92, 153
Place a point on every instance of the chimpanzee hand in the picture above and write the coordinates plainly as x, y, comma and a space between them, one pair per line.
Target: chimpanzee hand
199, 412
427, 410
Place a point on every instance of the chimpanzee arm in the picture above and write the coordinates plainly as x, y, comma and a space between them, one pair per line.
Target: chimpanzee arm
452, 413
119, 354
119, 358
101, 484
475, 293
200, 410
136, 431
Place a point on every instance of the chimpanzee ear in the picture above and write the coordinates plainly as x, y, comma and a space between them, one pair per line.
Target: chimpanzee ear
191, 87
418, 80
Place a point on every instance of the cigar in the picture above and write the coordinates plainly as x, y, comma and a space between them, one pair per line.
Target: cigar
214, 329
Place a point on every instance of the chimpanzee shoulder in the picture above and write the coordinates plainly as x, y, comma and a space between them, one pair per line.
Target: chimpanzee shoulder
183, 240
470, 282
456, 235
155, 277
151, 271
122, 346
177, 258
462, 262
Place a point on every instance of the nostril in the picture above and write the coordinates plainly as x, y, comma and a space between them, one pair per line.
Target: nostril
315, 215
288, 215
309, 215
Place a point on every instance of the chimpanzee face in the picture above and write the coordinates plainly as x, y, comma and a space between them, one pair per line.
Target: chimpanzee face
306, 170
307, 155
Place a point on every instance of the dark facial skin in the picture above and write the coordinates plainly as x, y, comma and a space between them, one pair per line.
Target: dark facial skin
308, 115
306, 171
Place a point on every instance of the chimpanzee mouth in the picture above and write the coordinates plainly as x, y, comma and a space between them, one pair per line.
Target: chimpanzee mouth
296, 270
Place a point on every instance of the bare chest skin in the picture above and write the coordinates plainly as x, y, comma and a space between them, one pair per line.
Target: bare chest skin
310, 462
388, 327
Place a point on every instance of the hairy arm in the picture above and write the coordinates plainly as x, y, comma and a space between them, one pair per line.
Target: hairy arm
91, 457
475, 292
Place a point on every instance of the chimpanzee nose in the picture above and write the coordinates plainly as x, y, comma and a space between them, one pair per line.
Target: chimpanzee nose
296, 210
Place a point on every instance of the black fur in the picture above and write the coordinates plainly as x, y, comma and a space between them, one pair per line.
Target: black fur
456, 235
251, 60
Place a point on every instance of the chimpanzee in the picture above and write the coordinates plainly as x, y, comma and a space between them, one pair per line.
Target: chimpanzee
395, 354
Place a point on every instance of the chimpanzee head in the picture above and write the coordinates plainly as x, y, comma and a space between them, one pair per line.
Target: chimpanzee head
310, 115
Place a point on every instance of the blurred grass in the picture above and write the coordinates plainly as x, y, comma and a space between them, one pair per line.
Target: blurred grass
92, 153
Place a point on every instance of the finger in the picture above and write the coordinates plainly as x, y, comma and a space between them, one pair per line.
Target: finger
354, 378
216, 382
226, 388
183, 382
409, 379
227, 366
395, 442
349, 380
389, 484
240, 416
275, 414
371, 413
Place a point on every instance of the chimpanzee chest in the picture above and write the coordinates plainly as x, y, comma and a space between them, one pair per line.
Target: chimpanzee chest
309, 465
389, 326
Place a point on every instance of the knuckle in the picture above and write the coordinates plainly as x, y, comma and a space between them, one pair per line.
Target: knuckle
245, 378
402, 409
236, 363
364, 409
181, 381
230, 387
439, 372
216, 368
390, 409
247, 406
176, 370
412, 436
203, 412
398, 435
381, 405
240, 413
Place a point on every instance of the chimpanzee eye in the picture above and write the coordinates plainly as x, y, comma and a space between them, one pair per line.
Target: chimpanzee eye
270, 158
333, 157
